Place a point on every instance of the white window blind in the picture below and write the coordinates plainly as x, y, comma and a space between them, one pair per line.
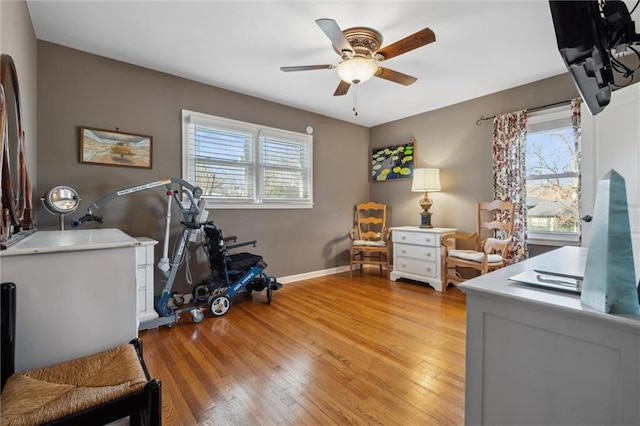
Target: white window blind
243, 165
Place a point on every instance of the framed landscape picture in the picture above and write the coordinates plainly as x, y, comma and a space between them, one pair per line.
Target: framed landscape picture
115, 148
393, 162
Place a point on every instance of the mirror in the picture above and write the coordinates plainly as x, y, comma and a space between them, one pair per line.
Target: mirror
16, 200
61, 200
3, 143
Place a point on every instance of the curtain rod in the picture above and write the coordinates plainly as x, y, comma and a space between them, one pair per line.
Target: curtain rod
483, 118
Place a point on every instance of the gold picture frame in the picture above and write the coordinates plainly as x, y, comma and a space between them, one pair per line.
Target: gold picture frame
115, 148
393, 162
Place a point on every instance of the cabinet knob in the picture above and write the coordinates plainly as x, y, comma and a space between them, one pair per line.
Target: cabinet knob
403, 237
404, 251
428, 254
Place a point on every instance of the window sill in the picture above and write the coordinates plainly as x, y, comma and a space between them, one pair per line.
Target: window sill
555, 239
249, 206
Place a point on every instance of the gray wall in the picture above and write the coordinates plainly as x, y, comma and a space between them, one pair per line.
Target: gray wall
79, 89
449, 139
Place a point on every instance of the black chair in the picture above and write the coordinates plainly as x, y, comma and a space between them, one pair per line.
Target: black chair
99, 388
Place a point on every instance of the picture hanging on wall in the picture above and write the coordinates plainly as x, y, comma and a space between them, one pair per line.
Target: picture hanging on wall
115, 148
393, 162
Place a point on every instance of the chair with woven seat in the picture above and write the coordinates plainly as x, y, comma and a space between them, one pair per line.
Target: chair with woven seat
490, 243
370, 238
93, 390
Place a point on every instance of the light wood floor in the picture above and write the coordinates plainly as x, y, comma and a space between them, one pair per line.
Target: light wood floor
329, 350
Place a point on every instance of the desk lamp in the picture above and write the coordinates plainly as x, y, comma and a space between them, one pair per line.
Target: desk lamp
426, 180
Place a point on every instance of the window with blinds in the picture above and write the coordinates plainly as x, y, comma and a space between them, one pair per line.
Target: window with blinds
241, 165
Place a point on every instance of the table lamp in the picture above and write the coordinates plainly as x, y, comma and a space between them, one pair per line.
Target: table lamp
426, 180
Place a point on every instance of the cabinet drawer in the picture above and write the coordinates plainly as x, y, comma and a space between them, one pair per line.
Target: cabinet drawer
142, 300
428, 253
144, 256
141, 277
420, 238
145, 252
418, 267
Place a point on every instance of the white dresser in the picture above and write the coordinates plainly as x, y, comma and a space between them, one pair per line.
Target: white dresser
145, 279
417, 254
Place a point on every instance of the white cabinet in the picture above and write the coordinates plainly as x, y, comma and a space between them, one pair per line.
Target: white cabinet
145, 279
75, 293
540, 357
417, 254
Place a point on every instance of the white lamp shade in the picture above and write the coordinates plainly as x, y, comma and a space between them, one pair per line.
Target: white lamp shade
356, 70
426, 180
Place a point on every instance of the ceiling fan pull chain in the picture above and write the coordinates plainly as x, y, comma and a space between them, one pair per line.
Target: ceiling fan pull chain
355, 99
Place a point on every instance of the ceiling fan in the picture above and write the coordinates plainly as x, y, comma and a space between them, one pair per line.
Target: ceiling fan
359, 48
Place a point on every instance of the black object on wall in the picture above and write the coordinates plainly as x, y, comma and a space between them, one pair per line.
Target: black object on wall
587, 32
8, 324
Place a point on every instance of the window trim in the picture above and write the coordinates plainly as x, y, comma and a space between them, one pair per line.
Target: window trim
557, 239
258, 132
551, 238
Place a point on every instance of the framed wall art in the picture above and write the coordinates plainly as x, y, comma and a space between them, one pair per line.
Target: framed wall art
393, 162
115, 148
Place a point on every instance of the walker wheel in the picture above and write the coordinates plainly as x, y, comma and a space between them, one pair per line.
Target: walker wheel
200, 292
197, 315
178, 299
219, 305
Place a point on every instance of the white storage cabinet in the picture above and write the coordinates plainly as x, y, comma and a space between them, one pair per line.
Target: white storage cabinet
417, 254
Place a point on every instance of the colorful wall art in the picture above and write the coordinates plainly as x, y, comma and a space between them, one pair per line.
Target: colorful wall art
393, 162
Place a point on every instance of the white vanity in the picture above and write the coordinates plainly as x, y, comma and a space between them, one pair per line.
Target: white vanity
537, 356
76, 293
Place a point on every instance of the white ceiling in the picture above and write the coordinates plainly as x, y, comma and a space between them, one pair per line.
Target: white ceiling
481, 47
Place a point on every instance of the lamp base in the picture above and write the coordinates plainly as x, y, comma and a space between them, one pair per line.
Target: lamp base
425, 220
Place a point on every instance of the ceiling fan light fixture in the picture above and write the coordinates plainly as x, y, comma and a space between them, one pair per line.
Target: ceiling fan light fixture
356, 70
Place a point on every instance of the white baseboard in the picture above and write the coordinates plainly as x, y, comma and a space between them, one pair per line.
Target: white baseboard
313, 274
316, 274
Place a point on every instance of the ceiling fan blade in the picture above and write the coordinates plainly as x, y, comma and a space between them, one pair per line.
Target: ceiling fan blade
395, 76
342, 89
335, 34
307, 68
407, 44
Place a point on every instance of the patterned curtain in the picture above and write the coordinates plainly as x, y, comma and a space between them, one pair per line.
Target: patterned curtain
509, 146
576, 123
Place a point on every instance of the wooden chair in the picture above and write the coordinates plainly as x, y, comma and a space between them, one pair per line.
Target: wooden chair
370, 238
93, 390
490, 242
